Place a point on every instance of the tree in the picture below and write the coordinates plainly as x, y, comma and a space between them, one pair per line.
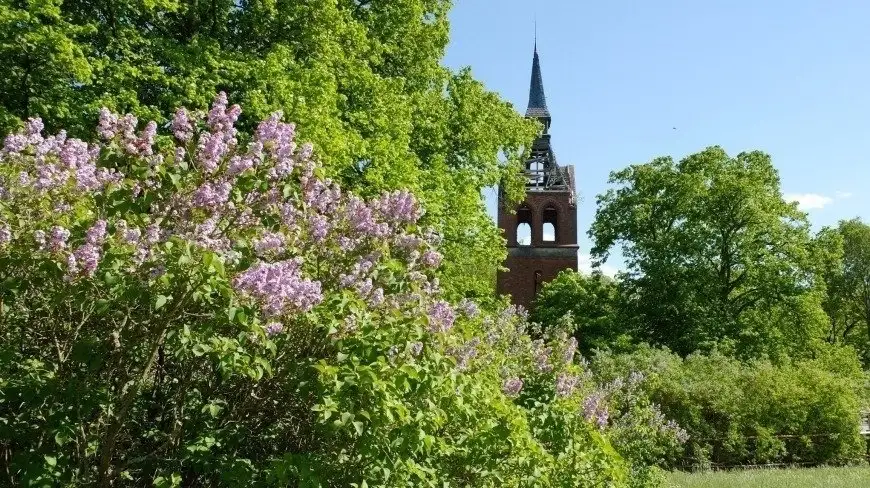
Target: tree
591, 302
847, 277
362, 79
714, 254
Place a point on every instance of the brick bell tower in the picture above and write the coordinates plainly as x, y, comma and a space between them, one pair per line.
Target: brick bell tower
546, 220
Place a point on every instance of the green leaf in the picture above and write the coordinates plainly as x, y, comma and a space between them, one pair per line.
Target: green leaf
50, 460
160, 301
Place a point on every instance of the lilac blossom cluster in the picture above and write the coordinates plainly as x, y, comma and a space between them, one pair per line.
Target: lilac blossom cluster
279, 287
208, 203
512, 386
595, 409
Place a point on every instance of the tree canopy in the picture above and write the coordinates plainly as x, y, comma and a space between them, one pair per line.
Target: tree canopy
715, 256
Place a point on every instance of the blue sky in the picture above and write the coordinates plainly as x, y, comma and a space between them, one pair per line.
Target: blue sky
791, 78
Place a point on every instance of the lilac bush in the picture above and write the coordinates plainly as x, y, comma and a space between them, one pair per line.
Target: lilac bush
208, 305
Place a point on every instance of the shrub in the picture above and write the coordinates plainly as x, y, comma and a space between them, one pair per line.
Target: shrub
758, 412
206, 308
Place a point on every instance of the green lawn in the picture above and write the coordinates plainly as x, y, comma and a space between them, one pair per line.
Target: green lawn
775, 478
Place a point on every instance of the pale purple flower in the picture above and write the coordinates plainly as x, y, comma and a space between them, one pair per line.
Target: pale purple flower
279, 287
107, 126
182, 127
211, 195
541, 355
468, 308
441, 317
409, 242
512, 386
376, 298
57, 238
431, 259
153, 234
570, 350
5, 234
465, 353
319, 227
88, 258
238, 165
398, 207
96, 235
273, 328
14, 143
269, 242
33, 130
565, 384
416, 348
595, 409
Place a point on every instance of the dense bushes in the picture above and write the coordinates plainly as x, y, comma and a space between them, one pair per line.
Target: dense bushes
204, 308
802, 412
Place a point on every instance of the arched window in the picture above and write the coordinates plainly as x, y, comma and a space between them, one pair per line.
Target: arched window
549, 218
524, 234
535, 167
524, 226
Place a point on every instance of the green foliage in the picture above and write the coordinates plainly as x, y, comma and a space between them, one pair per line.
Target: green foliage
363, 79
590, 302
715, 256
753, 412
846, 273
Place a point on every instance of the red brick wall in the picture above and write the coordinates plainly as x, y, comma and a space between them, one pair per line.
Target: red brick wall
548, 258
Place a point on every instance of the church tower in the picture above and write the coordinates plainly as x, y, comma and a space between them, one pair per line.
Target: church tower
546, 221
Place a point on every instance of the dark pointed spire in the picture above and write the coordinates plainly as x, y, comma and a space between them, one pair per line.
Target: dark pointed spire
537, 101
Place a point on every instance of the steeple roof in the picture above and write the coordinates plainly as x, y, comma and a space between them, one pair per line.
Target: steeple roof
537, 101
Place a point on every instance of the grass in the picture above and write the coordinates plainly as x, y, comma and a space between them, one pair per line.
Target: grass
774, 478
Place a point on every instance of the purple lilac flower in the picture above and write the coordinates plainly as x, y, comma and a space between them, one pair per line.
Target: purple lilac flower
595, 409
409, 242
182, 127
210, 150
57, 238
416, 348
541, 355
107, 125
512, 386
376, 298
5, 234
398, 207
570, 350
635, 378
441, 317
319, 227
465, 353
269, 242
96, 235
279, 287
14, 143
211, 195
88, 258
239, 164
565, 384
273, 328
431, 259
468, 308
